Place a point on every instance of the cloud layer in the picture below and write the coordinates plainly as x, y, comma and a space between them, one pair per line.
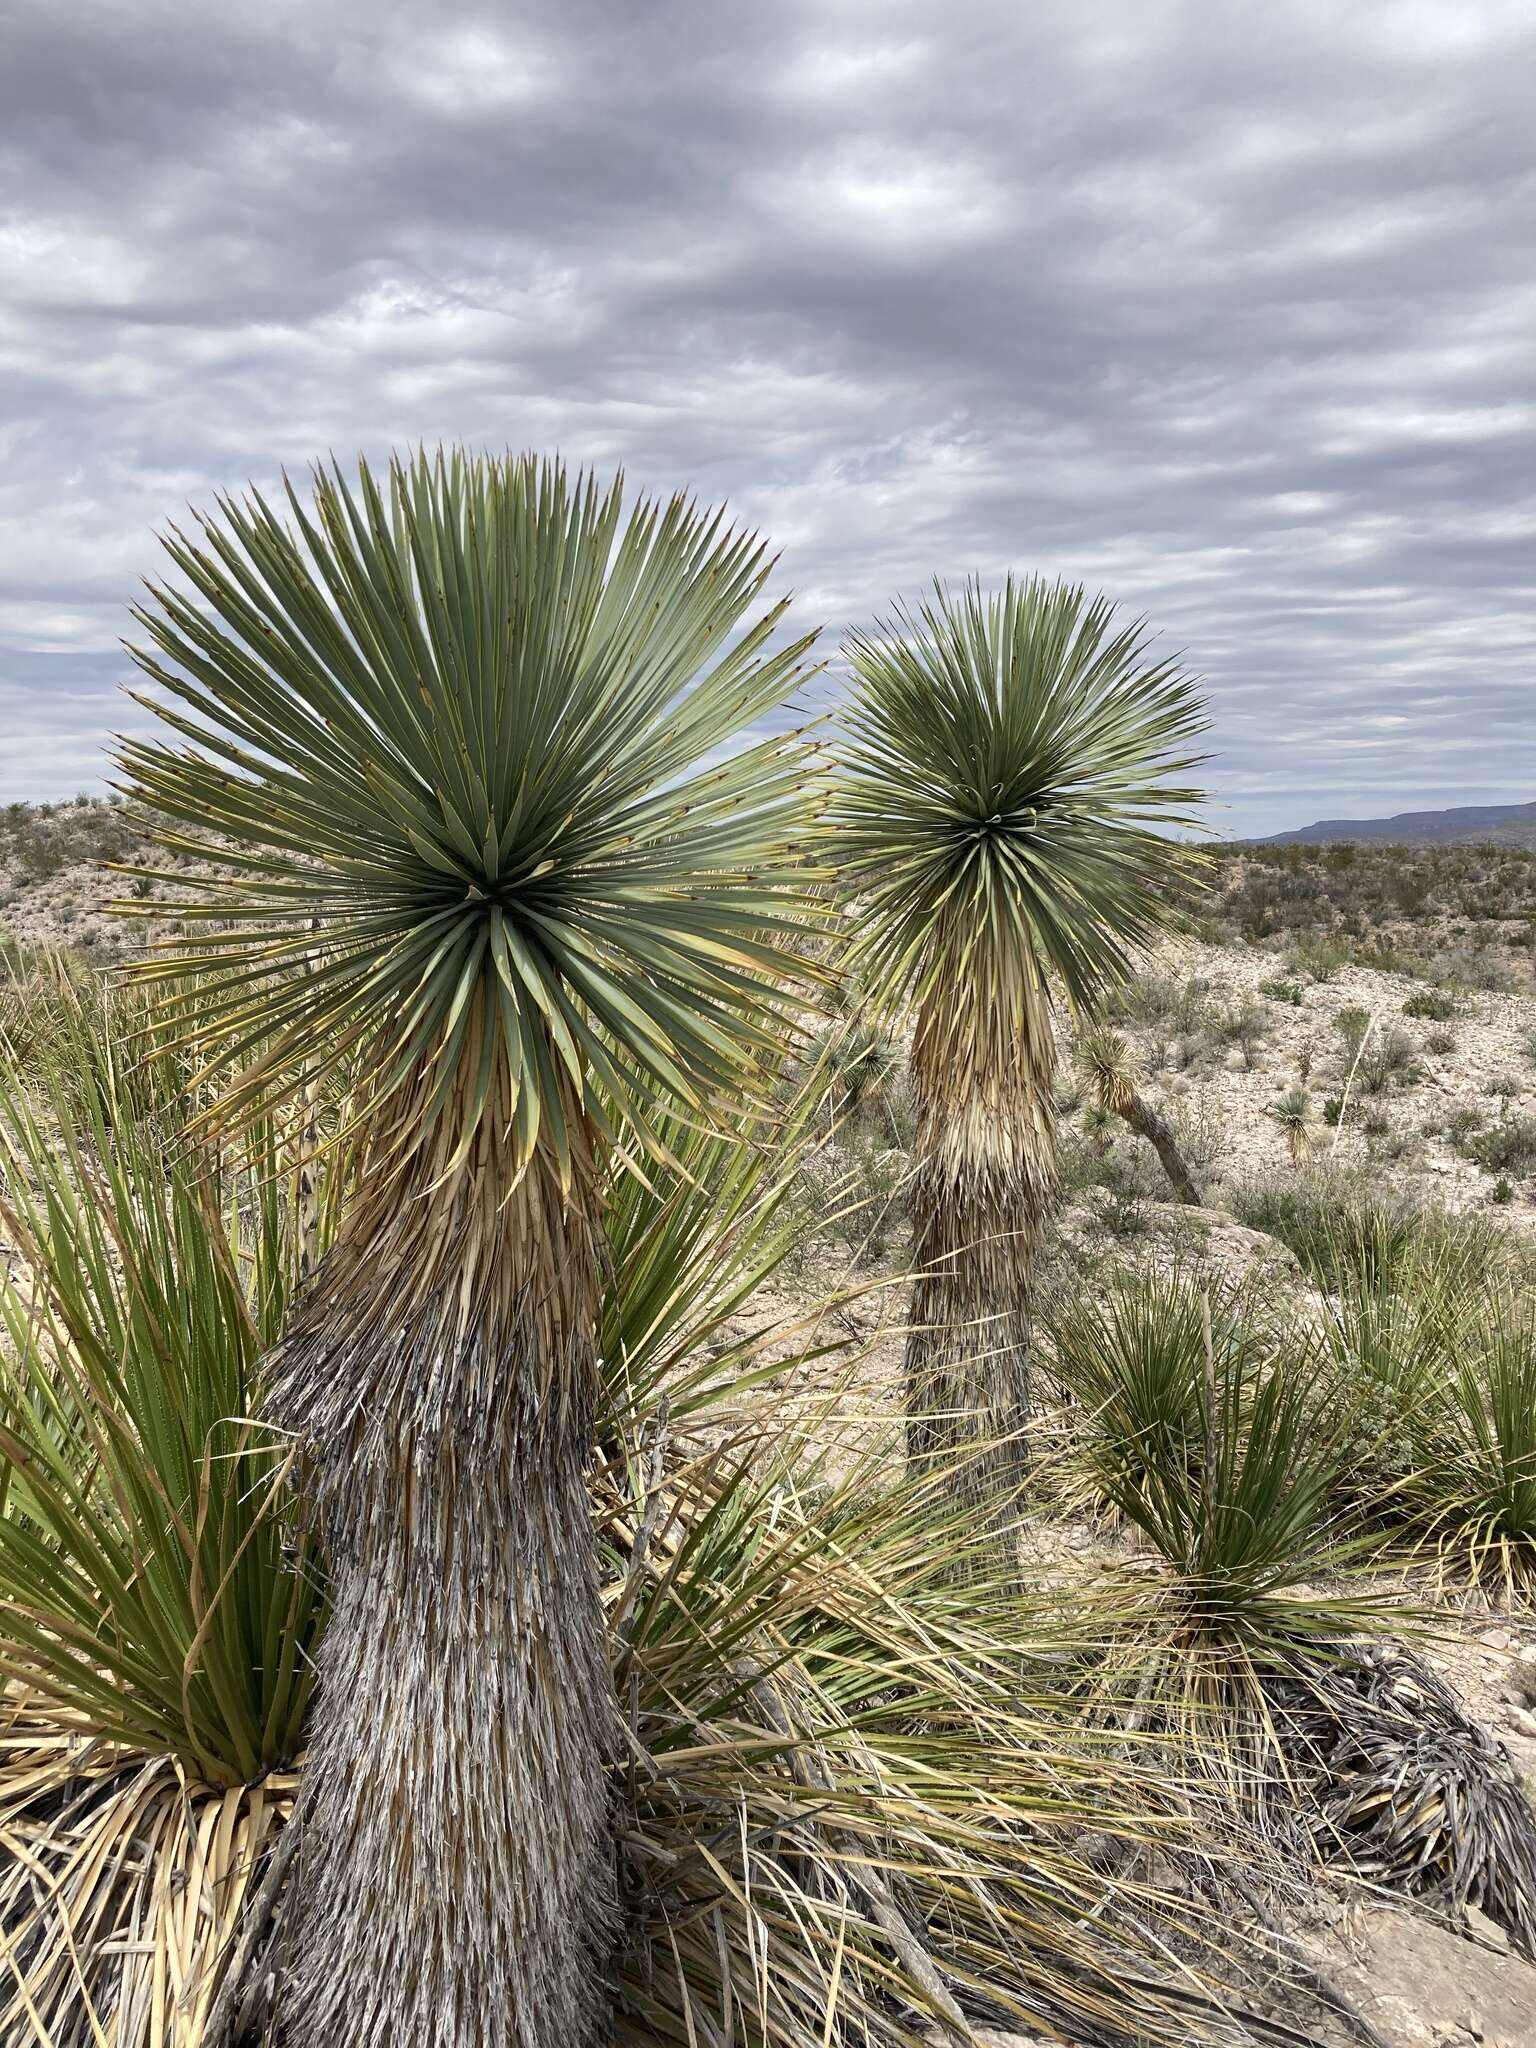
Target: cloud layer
1229, 310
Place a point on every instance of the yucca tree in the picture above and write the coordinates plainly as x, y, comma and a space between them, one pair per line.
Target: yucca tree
1107, 1064
1293, 1113
468, 739
1007, 762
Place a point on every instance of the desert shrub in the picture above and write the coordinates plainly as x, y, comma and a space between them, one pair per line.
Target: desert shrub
1244, 1025
1202, 1132
1439, 1043
1436, 1005
1470, 968
1504, 1088
1463, 1124
1390, 1059
1352, 1023
1507, 1146
1320, 958
1343, 1228
1283, 990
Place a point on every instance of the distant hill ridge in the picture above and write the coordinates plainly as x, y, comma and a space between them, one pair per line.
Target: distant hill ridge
1506, 824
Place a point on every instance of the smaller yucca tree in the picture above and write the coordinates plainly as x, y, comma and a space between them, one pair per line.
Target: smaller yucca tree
1293, 1113
472, 744
1012, 767
1107, 1064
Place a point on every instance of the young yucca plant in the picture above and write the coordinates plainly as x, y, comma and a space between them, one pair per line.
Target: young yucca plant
1402, 1307
467, 738
1293, 1113
1138, 1354
1472, 1486
1219, 1438
159, 1611
1106, 1064
1010, 768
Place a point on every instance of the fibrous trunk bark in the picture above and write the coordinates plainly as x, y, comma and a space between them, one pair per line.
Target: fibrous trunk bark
454, 1881
1145, 1121
985, 1177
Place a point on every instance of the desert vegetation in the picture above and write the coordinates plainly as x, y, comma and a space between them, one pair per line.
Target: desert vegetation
834, 1390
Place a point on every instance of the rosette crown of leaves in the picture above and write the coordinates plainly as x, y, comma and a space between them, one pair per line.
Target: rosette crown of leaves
1015, 773
469, 747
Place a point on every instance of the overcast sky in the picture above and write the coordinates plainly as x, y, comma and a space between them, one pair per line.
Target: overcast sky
1226, 308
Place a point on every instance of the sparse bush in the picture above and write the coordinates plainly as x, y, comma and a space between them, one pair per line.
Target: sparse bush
1506, 1147
1390, 1060
1434, 1004
1352, 1023
1440, 1043
1320, 958
1246, 1026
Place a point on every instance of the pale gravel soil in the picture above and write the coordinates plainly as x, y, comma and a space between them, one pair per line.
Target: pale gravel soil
1489, 1029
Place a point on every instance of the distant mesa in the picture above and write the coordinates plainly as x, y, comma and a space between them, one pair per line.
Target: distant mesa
1468, 824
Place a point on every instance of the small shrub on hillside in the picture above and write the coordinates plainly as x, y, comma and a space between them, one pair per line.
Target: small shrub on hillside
1320, 958
1390, 1060
1245, 1026
1506, 1147
1282, 990
1464, 1123
1503, 1088
1352, 1023
1439, 1043
1384, 956
1474, 968
1435, 1004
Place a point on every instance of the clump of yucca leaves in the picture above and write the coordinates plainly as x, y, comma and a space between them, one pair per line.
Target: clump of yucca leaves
1431, 1322
847, 1807
1227, 1439
1213, 1429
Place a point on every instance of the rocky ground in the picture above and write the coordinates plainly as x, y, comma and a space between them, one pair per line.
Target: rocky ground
1487, 1069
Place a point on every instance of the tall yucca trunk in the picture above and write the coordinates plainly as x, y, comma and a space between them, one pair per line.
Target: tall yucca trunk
455, 1874
986, 1168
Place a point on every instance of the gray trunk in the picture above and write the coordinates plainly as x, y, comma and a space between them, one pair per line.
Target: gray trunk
967, 1364
454, 1886
1146, 1123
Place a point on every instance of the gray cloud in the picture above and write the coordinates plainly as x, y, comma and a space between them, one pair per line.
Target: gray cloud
1228, 310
